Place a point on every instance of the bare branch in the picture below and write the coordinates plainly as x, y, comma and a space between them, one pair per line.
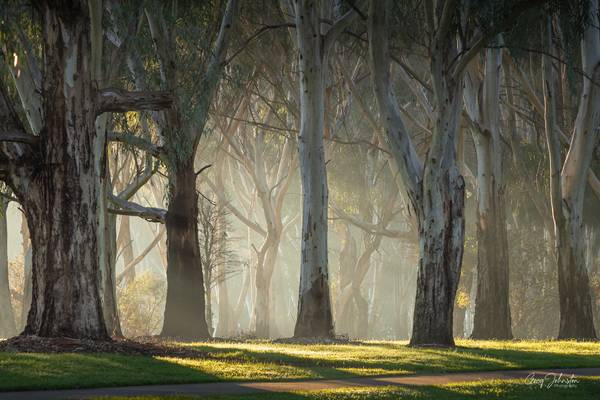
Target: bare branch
203, 169
375, 229
337, 28
254, 36
246, 221
142, 255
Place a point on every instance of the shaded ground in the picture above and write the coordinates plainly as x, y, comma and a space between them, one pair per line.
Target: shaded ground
140, 346
549, 378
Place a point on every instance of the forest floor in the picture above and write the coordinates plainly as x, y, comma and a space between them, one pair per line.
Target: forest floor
218, 361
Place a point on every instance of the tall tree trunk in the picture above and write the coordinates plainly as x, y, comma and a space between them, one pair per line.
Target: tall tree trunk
568, 188
441, 218
262, 305
27, 279
441, 243
492, 310
7, 318
224, 323
436, 191
61, 202
314, 304
223, 327
185, 306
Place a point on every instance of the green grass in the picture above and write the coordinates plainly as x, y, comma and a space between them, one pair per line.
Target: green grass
264, 360
587, 388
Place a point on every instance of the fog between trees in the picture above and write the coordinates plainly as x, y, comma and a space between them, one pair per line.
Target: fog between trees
415, 170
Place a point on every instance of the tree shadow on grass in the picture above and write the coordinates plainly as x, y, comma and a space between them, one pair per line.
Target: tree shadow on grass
27, 371
346, 362
31, 371
484, 390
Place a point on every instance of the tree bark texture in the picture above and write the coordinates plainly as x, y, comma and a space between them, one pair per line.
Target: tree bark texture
436, 190
60, 199
314, 304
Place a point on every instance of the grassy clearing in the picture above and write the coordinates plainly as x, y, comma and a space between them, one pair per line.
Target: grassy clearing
587, 388
258, 360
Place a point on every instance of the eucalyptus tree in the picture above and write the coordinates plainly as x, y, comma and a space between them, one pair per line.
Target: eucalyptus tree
315, 41
251, 152
375, 225
58, 175
181, 128
482, 104
568, 178
434, 184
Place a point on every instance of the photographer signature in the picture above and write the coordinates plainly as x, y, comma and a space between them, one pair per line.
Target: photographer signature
552, 379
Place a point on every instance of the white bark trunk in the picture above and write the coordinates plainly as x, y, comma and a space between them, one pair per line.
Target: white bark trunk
314, 305
437, 190
568, 187
492, 312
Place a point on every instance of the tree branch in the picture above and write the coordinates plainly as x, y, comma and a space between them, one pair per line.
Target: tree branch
375, 229
480, 42
337, 28
139, 181
136, 141
246, 221
409, 164
17, 136
117, 100
141, 256
130, 208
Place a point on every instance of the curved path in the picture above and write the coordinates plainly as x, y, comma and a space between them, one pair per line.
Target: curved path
201, 389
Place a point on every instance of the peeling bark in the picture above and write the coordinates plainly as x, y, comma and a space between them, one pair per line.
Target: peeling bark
61, 202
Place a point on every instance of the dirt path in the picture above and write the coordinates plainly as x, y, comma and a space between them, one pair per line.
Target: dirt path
264, 387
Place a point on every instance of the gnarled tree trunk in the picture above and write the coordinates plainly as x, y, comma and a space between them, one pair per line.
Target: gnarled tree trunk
61, 200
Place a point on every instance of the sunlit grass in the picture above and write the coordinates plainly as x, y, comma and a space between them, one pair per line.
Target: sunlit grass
265, 360
587, 388
373, 358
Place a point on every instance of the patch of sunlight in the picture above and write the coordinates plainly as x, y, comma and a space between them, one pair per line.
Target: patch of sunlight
242, 371
374, 371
